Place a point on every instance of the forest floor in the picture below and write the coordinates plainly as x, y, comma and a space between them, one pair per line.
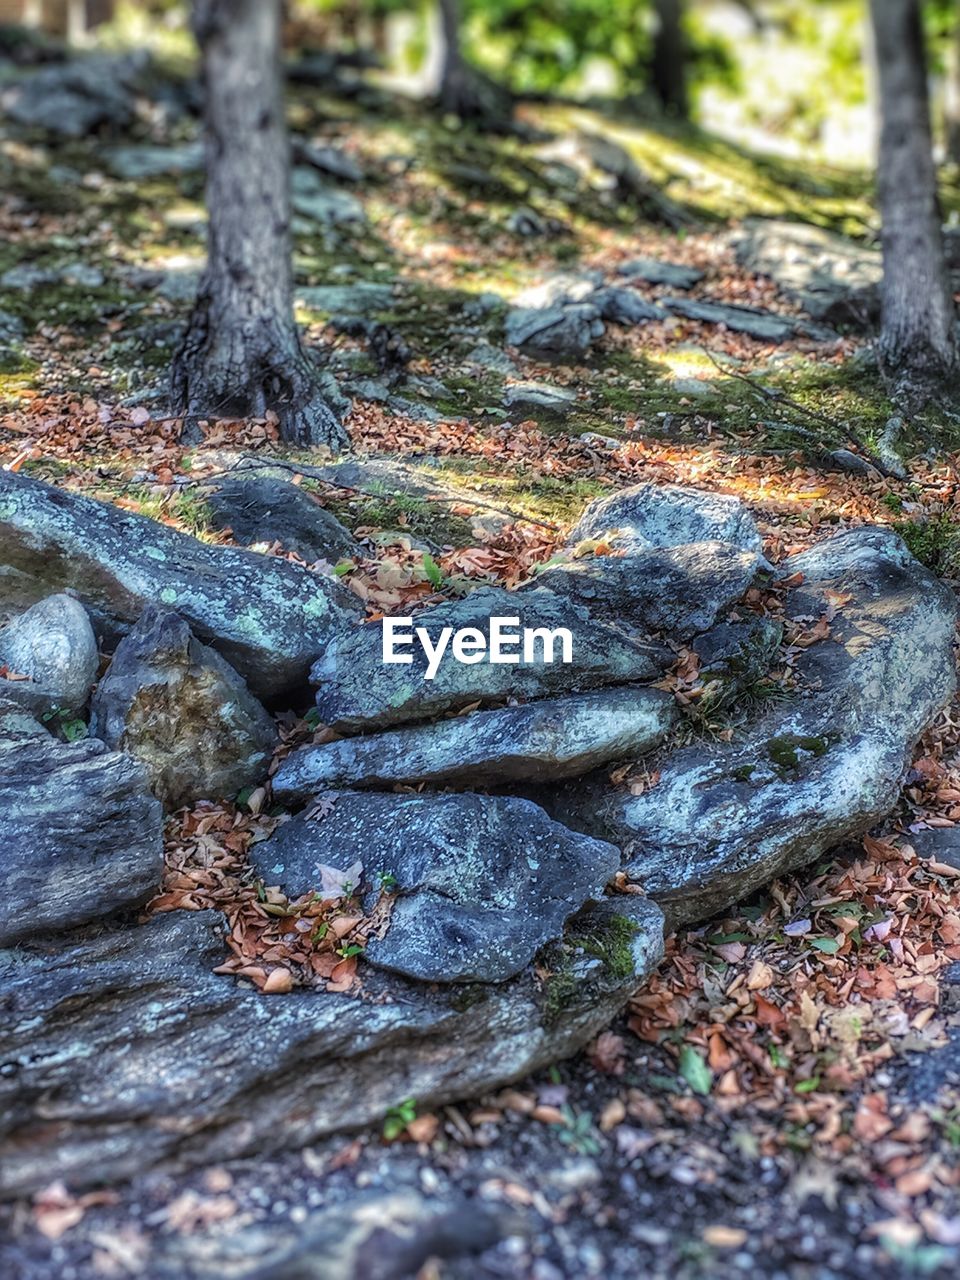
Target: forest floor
782, 1097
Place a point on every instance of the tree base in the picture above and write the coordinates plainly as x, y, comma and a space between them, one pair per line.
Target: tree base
207, 382
913, 382
471, 96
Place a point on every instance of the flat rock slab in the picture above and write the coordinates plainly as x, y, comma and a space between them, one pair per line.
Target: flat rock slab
482, 881
535, 742
183, 712
764, 325
652, 515
270, 619
357, 690
387, 477
539, 395
140, 163
657, 271
265, 509
723, 820
107, 1047
82, 836
834, 279
681, 589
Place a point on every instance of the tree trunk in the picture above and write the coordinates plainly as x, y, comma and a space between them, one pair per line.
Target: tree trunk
465, 91
917, 349
669, 62
241, 355
952, 98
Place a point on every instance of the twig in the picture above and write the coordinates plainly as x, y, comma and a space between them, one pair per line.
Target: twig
778, 397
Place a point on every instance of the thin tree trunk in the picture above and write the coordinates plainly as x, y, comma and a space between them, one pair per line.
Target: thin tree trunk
465, 91
241, 355
917, 349
669, 62
952, 96
453, 71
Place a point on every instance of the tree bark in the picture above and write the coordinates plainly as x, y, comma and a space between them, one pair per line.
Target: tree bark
465, 91
241, 355
917, 348
952, 98
669, 61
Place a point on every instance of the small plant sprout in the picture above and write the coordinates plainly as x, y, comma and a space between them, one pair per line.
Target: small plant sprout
398, 1117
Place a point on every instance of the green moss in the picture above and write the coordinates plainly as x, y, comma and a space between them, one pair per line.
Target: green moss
611, 943
468, 997
789, 751
935, 542
560, 985
419, 518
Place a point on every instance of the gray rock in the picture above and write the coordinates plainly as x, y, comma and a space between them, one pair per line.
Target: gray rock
382, 1233
136, 163
757, 323
362, 298
835, 280
315, 200
625, 306
183, 712
539, 395
82, 835
656, 271
535, 742
52, 643
560, 330
358, 690
725, 819
76, 97
330, 161
731, 650
939, 844
853, 463
528, 223
681, 589
268, 618
16, 723
490, 357
651, 515
121, 1030
257, 508
28, 276
482, 881
388, 477
695, 387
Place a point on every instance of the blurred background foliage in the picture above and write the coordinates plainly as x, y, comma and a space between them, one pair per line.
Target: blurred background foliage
790, 75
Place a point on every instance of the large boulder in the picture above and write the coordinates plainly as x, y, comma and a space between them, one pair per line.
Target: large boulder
261, 508
52, 644
268, 618
725, 819
834, 279
82, 835
482, 882
681, 589
357, 689
183, 712
75, 98
535, 742
652, 515
125, 1051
